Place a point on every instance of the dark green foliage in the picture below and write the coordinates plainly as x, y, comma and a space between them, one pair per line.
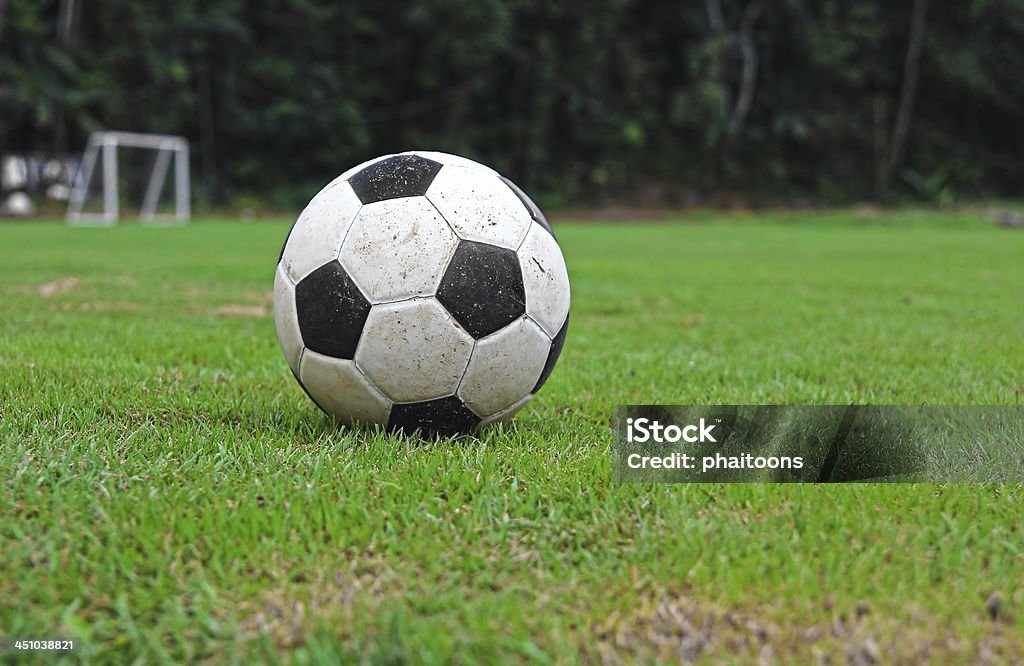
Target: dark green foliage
578, 102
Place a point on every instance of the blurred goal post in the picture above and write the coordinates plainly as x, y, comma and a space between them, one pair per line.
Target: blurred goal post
103, 147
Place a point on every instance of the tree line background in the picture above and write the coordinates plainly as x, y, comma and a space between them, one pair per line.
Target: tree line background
583, 102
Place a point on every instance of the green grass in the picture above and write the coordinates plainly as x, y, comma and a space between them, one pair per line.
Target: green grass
169, 493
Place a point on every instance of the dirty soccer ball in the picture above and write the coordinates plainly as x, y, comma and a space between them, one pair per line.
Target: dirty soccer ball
421, 290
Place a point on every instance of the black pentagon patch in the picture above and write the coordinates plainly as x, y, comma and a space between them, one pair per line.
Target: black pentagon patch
483, 288
556, 350
395, 177
331, 311
535, 213
444, 416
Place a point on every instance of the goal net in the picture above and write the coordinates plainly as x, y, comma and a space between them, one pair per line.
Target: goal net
128, 172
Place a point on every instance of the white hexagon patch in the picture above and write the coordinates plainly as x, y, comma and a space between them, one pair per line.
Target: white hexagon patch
479, 206
448, 159
504, 367
413, 350
507, 413
339, 387
286, 319
545, 279
398, 248
320, 229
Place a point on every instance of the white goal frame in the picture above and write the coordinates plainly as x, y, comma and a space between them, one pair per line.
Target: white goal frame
104, 145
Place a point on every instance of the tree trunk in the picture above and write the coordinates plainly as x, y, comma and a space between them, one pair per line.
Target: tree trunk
66, 23
911, 67
716, 20
207, 138
67, 33
715, 16
880, 142
748, 80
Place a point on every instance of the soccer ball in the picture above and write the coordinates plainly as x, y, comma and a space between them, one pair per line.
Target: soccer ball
421, 291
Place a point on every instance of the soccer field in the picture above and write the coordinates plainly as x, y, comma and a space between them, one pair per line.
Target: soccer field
169, 493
